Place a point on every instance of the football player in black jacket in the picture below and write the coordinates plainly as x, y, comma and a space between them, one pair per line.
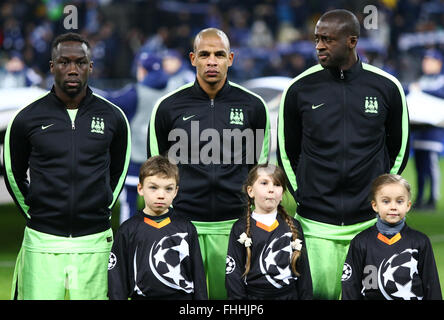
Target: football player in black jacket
76, 146
267, 257
390, 260
216, 130
341, 124
156, 253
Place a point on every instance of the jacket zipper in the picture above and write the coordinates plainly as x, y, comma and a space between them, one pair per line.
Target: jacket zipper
213, 168
343, 173
71, 213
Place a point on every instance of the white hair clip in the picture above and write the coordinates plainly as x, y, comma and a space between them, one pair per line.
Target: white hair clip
296, 244
245, 240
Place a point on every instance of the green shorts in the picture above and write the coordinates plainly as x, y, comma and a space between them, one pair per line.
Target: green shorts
327, 247
50, 267
213, 240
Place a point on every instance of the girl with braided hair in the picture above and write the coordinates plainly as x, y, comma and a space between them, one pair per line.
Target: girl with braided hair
267, 258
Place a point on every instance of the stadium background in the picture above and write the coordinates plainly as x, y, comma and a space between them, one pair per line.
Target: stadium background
269, 38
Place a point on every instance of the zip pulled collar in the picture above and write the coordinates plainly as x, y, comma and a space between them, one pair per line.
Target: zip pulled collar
197, 89
347, 75
86, 99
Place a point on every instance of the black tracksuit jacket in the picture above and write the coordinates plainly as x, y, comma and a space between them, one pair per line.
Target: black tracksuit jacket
193, 127
76, 169
337, 131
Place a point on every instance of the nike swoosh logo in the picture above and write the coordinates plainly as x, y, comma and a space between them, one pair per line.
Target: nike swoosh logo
317, 106
46, 127
187, 118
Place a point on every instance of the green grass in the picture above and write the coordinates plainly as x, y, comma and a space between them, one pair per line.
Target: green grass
12, 226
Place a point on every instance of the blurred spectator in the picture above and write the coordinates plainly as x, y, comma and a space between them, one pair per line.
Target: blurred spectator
433, 80
177, 69
12, 35
261, 36
137, 101
157, 41
15, 74
428, 140
214, 19
92, 20
287, 34
105, 50
40, 41
238, 26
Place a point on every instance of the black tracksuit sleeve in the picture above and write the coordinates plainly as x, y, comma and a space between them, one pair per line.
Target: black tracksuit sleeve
120, 152
16, 151
234, 282
262, 122
397, 131
158, 131
352, 286
199, 278
304, 285
289, 125
429, 275
120, 271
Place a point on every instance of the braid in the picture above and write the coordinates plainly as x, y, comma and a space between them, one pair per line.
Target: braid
248, 232
296, 253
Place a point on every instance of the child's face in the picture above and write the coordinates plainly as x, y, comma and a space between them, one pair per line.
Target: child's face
392, 202
265, 193
158, 193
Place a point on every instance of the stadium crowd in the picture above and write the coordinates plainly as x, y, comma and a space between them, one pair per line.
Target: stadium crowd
269, 37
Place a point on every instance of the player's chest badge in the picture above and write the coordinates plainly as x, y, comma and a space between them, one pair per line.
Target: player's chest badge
371, 105
97, 125
237, 116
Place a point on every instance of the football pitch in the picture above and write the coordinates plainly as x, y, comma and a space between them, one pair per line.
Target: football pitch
11, 232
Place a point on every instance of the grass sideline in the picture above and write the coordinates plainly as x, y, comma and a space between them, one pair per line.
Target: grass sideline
11, 232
